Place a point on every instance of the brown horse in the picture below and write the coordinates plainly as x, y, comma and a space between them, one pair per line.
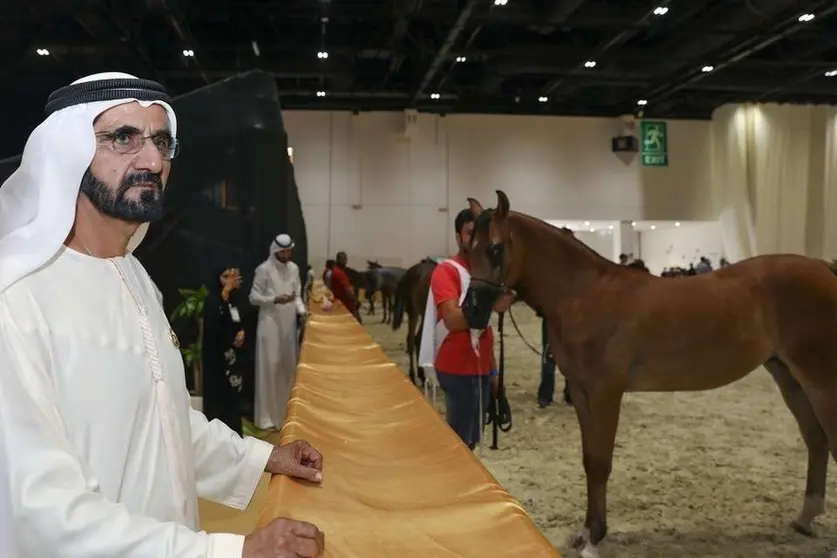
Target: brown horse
411, 295
614, 329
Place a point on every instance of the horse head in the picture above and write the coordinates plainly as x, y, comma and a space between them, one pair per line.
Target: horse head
493, 261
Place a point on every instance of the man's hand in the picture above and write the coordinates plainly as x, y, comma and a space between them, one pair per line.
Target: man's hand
504, 302
239, 339
285, 538
298, 459
283, 299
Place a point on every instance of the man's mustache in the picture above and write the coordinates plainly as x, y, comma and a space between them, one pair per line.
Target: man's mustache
145, 178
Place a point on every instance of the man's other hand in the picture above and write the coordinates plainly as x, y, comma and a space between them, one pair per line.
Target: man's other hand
285, 538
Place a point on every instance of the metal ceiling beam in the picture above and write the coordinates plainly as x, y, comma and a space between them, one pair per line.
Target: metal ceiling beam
100, 27
450, 40
726, 56
176, 22
617, 40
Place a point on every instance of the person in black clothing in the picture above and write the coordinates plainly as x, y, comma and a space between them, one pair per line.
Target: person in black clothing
222, 349
546, 389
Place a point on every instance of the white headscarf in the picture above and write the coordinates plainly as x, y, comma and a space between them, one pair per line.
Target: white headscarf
281, 242
38, 201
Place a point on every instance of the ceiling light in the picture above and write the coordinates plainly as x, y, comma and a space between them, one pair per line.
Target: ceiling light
543, 99
642, 102
831, 73
320, 93
590, 64
434, 95
42, 52
633, 223
660, 11
610, 227
188, 53
653, 227
461, 59
501, 2
805, 18
707, 69
592, 229
677, 224
586, 223
322, 55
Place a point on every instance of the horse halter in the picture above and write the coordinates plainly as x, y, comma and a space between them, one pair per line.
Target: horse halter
482, 294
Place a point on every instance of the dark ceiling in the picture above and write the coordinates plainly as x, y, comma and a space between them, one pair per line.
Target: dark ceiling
520, 56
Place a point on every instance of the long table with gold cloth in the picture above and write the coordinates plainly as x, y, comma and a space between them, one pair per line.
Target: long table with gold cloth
397, 481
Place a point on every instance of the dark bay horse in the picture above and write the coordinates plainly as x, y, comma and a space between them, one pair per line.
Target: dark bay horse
615, 329
411, 296
384, 280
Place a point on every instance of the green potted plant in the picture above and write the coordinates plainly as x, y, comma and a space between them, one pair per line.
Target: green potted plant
190, 311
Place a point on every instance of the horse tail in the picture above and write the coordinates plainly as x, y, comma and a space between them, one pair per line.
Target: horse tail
398, 308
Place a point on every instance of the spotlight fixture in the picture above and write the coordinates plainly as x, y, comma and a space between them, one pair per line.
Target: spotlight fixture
434, 95
831, 73
501, 2
543, 99
660, 11
188, 53
320, 93
707, 69
642, 102
461, 59
322, 55
590, 64
42, 52
805, 18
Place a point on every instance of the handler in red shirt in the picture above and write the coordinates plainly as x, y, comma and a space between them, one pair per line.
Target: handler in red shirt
463, 376
341, 287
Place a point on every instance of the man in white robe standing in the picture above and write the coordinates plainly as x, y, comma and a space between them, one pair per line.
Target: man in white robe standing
106, 456
277, 291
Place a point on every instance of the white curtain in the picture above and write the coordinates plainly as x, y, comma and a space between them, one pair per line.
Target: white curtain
774, 173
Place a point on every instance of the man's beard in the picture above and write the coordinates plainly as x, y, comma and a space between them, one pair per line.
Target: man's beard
148, 208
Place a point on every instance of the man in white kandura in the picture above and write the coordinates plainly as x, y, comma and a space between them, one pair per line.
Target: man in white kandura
105, 456
277, 291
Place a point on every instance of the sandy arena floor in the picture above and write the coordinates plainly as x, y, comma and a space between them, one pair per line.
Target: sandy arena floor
713, 474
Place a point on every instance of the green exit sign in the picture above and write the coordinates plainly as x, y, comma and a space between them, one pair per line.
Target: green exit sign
654, 149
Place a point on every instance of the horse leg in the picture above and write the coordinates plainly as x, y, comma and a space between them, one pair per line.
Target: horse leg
422, 378
384, 301
411, 344
815, 440
568, 397
598, 416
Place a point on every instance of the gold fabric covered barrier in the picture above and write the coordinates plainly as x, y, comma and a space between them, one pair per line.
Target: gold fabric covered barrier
397, 481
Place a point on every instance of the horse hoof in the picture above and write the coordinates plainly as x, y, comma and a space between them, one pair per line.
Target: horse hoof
579, 540
803, 529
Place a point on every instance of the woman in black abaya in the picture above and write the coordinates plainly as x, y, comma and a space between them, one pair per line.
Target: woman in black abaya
223, 349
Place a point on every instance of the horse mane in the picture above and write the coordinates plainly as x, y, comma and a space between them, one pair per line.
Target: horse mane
565, 235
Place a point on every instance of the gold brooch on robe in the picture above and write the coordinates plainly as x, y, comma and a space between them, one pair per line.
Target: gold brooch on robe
174, 340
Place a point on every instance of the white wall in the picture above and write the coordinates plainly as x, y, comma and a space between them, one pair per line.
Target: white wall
367, 191
682, 190
670, 246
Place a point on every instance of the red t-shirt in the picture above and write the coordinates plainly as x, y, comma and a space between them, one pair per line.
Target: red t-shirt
456, 356
341, 287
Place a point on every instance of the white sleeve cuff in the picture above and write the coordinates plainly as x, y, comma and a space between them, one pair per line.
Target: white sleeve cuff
252, 469
224, 545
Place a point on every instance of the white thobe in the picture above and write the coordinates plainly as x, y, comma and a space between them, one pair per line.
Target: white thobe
108, 457
277, 344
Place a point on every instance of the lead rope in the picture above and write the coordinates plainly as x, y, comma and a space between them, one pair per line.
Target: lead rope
176, 465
